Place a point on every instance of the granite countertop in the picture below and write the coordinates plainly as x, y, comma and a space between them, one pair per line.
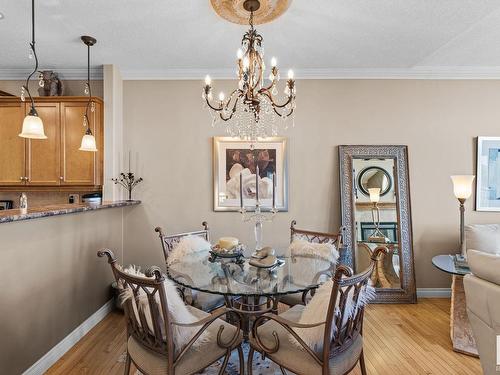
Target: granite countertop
58, 209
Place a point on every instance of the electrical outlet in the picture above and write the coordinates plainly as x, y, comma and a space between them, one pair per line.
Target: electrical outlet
74, 198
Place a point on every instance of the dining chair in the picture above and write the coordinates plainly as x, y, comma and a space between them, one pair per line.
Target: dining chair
272, 334
150, 328
314, 237
203, 301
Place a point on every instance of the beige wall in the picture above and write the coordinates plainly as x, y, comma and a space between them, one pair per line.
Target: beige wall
51, 280
165, 125
71, 87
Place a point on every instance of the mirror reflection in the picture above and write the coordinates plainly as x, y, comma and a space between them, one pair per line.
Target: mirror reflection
376, 219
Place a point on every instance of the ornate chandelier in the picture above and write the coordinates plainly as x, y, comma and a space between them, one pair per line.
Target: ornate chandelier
253, 110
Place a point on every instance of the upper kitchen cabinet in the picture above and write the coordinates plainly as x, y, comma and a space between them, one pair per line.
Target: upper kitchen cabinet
12, 147
43, 155
56, 162
79, 167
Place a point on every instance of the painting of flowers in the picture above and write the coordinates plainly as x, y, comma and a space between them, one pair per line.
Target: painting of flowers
236, 160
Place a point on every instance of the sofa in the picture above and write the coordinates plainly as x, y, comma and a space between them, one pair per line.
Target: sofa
482, 290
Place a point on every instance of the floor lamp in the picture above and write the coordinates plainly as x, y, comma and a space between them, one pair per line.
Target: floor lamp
462, 187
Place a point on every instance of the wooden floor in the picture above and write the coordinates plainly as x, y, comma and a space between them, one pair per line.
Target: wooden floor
399, 339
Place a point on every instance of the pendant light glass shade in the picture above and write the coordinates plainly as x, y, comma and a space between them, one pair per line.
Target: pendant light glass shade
32, 124
88, 139
88, 143
33, 127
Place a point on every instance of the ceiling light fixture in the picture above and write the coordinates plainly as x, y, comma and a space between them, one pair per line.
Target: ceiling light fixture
252, 110
88, 139
1, 16
32, 124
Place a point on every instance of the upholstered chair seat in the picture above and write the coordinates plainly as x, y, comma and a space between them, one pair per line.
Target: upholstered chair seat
164, 335
195, 360
326, 335
296, 359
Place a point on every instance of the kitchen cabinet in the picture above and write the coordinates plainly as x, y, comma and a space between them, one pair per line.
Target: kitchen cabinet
54, 163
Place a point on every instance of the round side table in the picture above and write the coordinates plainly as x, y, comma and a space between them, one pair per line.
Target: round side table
460, 329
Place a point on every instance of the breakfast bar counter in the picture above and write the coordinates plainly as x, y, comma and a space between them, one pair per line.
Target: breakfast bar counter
59, 209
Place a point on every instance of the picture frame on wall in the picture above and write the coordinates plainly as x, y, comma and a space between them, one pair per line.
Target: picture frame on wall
232, 156
488, 174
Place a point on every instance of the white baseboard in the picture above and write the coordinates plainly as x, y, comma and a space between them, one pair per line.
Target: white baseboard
53, 355
433, 292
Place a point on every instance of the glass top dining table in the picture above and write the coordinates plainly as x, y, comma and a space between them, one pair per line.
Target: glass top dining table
294, 274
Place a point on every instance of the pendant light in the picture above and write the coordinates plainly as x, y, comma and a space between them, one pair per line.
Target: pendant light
88, 139
32, 124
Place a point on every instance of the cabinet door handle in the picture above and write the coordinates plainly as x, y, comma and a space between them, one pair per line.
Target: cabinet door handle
61, 177
21, 178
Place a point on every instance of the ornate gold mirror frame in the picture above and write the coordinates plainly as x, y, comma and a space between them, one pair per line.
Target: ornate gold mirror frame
347, 154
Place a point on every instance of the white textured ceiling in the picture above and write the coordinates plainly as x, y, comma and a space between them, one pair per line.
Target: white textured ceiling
318, 38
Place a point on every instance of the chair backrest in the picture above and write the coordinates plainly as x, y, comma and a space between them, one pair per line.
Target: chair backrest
169, 242
146, 309
316, 237
347, 292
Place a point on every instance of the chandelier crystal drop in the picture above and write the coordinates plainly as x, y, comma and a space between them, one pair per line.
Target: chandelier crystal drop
255, 109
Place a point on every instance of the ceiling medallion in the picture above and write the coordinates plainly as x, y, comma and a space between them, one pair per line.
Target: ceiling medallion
234, 10
253, 110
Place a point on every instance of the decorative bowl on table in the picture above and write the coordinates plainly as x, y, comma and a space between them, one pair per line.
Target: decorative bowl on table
227, 248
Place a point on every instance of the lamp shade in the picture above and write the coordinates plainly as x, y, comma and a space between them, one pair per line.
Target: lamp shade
462, 185
88, 143
33, 128
374, 194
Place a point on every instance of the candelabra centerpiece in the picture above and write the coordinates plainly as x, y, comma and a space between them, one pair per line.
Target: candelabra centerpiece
251, 111
257, 216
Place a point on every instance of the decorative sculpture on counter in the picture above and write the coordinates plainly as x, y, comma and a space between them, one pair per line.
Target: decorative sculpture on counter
128, 181
50, 84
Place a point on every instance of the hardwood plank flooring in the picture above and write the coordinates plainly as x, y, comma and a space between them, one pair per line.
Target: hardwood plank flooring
399, 339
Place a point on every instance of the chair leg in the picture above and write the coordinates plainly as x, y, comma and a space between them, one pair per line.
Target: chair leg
224, 364
283, 371
250, 361
362, 363
127, 364
242, 360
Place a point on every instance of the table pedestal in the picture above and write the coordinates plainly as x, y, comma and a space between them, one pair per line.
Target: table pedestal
461, 331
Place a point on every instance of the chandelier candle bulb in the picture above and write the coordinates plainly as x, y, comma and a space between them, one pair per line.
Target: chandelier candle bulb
290, 74
221, 96
208, 80
274, 62
239, 54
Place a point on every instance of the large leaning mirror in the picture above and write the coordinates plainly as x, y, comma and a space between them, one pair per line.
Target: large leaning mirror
375, 196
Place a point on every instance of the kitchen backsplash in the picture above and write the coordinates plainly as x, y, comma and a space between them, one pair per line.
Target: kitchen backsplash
41, 198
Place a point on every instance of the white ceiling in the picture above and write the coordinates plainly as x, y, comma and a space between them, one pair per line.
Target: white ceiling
319, 38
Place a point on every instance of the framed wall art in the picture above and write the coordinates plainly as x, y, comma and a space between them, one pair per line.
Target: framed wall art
233, 157
488, 174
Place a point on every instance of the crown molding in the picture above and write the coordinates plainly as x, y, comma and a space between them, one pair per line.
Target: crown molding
325, 73
21, 74
422, 72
